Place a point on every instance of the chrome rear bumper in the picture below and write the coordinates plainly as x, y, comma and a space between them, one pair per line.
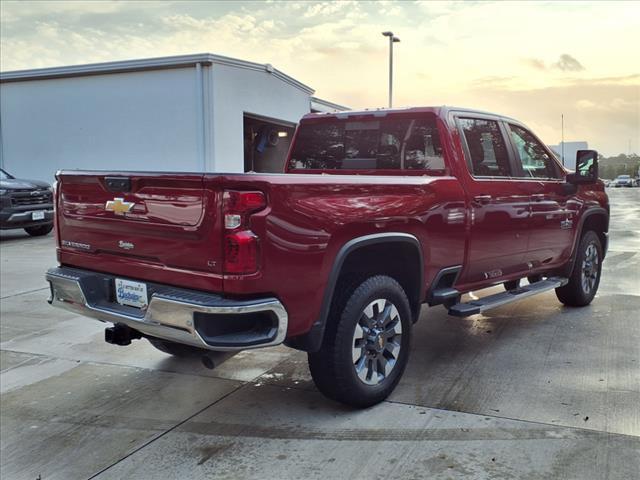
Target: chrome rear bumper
173, 314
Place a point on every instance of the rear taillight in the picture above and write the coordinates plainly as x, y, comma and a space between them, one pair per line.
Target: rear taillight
241, 246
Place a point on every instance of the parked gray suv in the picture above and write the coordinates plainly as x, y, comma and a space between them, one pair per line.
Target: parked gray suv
25, 204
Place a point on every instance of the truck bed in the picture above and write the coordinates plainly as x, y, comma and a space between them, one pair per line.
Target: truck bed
173, 232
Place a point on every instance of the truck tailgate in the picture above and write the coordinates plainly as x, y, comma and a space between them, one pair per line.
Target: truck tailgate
147, 225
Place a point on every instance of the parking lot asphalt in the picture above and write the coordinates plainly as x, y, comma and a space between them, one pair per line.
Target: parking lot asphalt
529, 390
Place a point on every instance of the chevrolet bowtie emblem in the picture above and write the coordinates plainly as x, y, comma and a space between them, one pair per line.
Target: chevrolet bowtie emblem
118, 206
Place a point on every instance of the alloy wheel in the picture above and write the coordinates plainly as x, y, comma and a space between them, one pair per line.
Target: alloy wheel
376, 341
590, 268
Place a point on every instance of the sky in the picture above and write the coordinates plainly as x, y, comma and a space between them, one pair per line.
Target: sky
534, 61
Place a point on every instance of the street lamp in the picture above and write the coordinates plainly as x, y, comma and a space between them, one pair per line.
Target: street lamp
392, 39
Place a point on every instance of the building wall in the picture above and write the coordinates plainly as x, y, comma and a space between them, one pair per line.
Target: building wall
239, 91
570, 150
147, 120
186, 118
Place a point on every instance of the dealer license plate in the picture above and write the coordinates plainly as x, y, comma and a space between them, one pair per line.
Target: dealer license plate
37, 215
133, 294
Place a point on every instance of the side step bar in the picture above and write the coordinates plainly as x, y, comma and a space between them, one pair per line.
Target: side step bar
444, 295
492, 301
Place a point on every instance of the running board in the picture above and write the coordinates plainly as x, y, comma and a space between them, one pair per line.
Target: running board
492, 301
444, 295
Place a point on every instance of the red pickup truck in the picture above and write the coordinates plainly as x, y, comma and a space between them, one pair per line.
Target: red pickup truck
377, 213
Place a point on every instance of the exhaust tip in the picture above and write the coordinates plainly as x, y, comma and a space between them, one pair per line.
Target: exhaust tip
208, 362
213, 359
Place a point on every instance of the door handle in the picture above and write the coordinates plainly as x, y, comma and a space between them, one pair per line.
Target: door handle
482, 199
538, 197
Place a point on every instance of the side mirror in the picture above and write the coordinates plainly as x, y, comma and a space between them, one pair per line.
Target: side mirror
586, 168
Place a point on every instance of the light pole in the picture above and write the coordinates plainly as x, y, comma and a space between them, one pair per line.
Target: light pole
392, 39
562, 142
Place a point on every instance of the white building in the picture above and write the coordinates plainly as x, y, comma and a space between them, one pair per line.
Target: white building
186, 113
570, 150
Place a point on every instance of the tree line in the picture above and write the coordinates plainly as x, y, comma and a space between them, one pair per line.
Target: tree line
622, 164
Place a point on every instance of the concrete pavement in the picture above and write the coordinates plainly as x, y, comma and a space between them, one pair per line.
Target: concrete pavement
530, 390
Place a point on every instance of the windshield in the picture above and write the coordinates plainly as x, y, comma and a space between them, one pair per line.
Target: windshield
624, 177
4, 175
400, 143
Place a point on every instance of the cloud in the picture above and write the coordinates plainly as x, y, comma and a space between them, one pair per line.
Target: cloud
631, 80
615, 104
604, 112
495, 81
535, 63
22, 9
328, 8
584, 104
458, 53
567, 63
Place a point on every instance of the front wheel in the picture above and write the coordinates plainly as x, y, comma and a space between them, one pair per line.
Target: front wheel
585, 277
366, 344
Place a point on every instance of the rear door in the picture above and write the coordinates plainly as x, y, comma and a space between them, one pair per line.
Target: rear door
150, 221
498, 203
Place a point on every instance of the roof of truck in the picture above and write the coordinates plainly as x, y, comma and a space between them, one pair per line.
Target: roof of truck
441, 110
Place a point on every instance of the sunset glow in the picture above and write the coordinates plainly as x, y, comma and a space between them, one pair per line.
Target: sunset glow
530, 60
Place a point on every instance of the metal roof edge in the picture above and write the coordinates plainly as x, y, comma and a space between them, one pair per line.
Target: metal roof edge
326, 103
261, 67
156, 63
105, 67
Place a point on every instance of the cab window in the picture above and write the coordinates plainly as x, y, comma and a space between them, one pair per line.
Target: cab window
536, 162
486, 147
392, 143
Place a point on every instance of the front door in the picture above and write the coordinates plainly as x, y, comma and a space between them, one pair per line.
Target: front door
552, 214
498, 203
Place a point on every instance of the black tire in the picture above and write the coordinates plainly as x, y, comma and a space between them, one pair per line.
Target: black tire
534, 278
578, 292
333, 367
39, 230
175, 349
511, 284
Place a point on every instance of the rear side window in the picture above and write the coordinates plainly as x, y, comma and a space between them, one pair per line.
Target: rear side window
536, 162
370, 144
486, 147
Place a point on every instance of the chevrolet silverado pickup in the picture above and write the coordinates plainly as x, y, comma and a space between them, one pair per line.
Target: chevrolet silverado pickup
376, 214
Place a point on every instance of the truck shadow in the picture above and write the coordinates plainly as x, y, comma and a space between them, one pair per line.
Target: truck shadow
457, 363
439, 341
16, 236
513, 352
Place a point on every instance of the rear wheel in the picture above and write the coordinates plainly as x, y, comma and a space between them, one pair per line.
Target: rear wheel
512, 285
39, 230
366, 344
175, 349
515, 284
585, 277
